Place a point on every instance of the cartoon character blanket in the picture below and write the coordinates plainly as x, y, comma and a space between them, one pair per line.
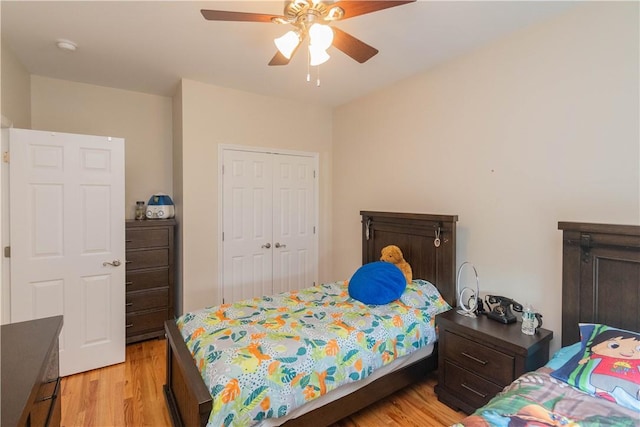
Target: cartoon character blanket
263, 357
538, 399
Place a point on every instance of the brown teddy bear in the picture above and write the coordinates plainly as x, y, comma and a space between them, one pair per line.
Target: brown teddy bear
393, 254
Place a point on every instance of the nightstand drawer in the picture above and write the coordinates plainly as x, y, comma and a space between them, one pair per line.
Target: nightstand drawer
140, 280
147, 238
147, 259
482, 360
147, 300
471, 388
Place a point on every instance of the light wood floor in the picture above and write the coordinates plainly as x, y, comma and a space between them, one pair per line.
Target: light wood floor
130, 394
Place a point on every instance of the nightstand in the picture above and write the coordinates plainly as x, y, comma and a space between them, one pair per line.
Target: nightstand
478, 357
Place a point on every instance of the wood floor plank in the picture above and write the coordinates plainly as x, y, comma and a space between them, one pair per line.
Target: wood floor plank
130, 395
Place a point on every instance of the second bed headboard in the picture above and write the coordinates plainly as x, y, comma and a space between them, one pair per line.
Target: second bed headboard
415, 235
600, 276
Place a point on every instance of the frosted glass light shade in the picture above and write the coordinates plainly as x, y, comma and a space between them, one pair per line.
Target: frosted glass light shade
317, 55
287, 43
321, 36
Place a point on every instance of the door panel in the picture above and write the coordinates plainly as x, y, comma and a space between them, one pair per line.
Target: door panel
67, 219
294, 220
247, 189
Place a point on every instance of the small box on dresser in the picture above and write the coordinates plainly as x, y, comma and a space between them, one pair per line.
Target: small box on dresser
478, 357
150, 277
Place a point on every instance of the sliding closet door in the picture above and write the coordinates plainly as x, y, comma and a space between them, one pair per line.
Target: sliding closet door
269, 227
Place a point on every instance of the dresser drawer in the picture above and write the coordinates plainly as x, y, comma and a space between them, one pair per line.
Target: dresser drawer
147, 238
145, 322
147, 300
46, 399
141, 280
473, 389
484, 361
147, 259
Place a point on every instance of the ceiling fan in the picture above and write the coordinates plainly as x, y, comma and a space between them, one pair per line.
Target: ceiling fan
311, 19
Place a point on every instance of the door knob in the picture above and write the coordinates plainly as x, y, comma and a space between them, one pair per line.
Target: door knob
114, 263
278, 245
267, 246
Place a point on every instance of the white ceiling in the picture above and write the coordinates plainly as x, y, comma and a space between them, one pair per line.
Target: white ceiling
147, 46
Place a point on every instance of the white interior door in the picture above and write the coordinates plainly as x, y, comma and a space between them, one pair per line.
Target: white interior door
247, 218
66, 226
269, 235
294, 248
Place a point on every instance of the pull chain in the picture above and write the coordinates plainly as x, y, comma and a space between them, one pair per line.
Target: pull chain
318, 76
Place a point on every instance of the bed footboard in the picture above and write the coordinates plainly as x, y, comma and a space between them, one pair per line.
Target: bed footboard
188, 399
369, 394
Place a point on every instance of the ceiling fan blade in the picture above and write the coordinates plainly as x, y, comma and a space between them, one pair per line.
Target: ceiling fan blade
357, 49
223, 15
360, 7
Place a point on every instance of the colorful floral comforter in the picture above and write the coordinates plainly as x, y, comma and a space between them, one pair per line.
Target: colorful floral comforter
263, 357
538, 399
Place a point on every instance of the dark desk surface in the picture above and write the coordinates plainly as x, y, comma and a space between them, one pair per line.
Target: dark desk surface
24, 350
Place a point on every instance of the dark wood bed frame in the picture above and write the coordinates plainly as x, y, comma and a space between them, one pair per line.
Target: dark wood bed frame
600, 277
188, 398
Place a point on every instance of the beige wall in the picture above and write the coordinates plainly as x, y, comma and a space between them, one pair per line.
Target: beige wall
537, 128
211, 116
144, 121
16, 97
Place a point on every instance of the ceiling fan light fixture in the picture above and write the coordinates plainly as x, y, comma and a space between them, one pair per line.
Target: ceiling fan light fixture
321, 36
287, 43
317, 55
334, 14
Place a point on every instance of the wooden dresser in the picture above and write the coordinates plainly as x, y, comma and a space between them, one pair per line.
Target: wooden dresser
30, 373
478, 357
150, 277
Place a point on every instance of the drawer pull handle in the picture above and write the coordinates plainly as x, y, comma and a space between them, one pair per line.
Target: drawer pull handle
128, 241
129, 304
475, 359
128, 283
128, 262
474, 391
129, 325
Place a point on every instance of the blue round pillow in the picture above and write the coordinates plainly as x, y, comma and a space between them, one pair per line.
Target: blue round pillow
377, 283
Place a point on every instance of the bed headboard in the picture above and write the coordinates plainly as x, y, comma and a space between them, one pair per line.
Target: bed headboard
414, 234
600, 277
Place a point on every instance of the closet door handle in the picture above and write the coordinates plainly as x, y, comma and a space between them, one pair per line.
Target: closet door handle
267, 246
278, 245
